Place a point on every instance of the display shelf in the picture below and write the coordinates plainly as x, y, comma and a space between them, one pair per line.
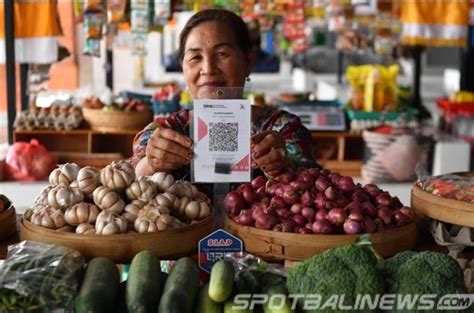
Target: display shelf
339, 151
83, 146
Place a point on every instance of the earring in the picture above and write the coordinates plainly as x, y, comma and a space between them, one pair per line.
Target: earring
247, 79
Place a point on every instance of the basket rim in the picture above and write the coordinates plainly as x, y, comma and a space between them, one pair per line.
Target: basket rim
127, 236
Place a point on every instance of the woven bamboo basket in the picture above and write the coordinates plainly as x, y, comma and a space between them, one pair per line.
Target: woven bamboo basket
103, 120
7, 223
121, 248
272, 245
443, 209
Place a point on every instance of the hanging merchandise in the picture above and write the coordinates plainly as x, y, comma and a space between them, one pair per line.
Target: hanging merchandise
294, 26
116, 11
435, 23
161, 12
340, 14
92, 27
383, 36
92, 47
93, 23
93, 5
140, 22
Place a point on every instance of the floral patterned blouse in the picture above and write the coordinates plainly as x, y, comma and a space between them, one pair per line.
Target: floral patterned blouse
298, 139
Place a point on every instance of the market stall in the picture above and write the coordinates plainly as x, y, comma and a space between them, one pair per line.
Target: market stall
228, 230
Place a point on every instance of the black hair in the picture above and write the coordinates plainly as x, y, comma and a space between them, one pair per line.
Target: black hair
228, 18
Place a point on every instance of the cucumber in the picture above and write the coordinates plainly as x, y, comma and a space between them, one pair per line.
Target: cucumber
228, 308
174, 301
275, 306
100, 287
144, 283
181, 288
222, 281
206, 304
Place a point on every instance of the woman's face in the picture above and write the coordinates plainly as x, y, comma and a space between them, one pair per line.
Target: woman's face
213, 60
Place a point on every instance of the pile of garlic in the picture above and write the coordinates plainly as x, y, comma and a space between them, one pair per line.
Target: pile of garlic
113, 201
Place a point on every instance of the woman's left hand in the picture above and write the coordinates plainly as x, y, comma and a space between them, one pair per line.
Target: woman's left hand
269, 152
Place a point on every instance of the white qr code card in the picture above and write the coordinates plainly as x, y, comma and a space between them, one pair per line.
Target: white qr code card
221, 134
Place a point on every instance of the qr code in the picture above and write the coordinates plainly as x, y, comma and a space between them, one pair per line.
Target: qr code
223, 136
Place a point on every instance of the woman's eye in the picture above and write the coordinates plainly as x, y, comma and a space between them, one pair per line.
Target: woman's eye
221, 54
194, 58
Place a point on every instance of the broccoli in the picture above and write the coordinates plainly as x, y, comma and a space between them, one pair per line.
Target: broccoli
422, 273
349, 270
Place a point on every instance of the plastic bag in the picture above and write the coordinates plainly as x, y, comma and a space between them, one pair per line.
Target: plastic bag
374, 87
29, 161
451, 186
39, 277
253, 275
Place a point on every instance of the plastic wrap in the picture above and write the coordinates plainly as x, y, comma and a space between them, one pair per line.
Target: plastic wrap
36, 277
450, 186
253, 275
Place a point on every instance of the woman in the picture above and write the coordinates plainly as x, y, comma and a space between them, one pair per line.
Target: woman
215, 52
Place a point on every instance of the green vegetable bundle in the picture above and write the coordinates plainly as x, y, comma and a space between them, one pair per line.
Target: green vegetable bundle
39, 277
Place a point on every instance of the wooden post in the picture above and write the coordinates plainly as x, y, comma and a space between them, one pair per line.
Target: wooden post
10, 66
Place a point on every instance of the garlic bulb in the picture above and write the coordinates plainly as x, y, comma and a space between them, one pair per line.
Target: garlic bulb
181, 205
109, 223
162, 180
88, 178
153, 211
117, 175
193, 210
108, 199
142, 189
161, 200
49, 217
173, 200
86, 229
81, 212
145, 224
64, 174
62, 196
204, 210
131, 211
183, 188
42, 198
164, 222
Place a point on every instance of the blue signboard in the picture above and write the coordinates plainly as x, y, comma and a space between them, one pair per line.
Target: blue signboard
213, 247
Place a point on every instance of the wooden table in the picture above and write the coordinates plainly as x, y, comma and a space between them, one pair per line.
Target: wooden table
425, 243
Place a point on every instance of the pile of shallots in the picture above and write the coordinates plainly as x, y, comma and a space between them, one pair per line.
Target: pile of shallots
112, 201
314, 201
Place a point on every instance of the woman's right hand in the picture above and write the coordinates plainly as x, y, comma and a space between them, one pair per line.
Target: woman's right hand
168, 150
